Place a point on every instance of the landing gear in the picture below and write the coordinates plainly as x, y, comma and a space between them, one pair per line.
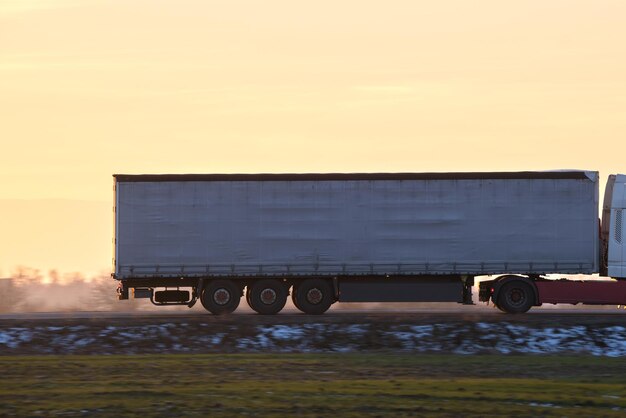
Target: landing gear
221, 297
313, 296
267, 296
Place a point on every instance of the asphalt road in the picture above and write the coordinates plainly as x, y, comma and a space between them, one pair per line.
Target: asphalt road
344, 314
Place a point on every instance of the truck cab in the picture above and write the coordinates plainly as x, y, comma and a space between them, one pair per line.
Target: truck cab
612, 235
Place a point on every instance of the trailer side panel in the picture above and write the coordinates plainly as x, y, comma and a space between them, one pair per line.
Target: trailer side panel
352, 226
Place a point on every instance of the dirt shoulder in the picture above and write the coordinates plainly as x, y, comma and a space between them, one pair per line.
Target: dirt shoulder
601, 335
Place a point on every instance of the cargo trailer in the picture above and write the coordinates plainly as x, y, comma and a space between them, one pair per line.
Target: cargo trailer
368, 237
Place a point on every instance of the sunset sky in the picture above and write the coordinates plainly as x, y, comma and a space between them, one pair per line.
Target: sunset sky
90, 88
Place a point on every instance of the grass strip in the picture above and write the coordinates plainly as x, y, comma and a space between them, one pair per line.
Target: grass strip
311, 385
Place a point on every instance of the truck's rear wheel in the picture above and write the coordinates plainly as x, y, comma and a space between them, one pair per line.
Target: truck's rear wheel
267, 296
515, 297
314, 296
221, 297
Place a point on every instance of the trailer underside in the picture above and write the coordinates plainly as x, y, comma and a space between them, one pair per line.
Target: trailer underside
268, 295
314, 295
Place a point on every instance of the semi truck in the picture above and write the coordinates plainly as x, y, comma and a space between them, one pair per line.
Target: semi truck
369, 237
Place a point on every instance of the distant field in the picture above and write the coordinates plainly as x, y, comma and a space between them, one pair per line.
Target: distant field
313, 385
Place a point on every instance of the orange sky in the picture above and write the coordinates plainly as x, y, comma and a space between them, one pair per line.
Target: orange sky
89, 88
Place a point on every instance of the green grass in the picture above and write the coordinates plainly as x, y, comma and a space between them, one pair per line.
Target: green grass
312, 385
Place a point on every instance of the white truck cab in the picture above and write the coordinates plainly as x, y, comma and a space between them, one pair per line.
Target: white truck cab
613, 234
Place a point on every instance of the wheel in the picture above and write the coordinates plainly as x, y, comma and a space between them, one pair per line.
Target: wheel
314, 296
516, 297
496, 306
267, 296
221, 297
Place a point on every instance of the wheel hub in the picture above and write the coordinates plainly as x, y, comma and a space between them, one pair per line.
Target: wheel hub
314, 296
516, 297
268, 296
221, 296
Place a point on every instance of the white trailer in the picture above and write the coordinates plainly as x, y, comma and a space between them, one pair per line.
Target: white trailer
357, 237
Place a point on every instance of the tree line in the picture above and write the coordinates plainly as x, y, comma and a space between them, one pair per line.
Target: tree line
28, 290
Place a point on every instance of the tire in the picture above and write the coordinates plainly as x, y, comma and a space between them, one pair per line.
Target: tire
516, 297
314, 296
495, 306
221, 297
267, 296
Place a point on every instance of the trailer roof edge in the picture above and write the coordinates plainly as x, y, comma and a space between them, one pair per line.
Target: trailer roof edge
574, 175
